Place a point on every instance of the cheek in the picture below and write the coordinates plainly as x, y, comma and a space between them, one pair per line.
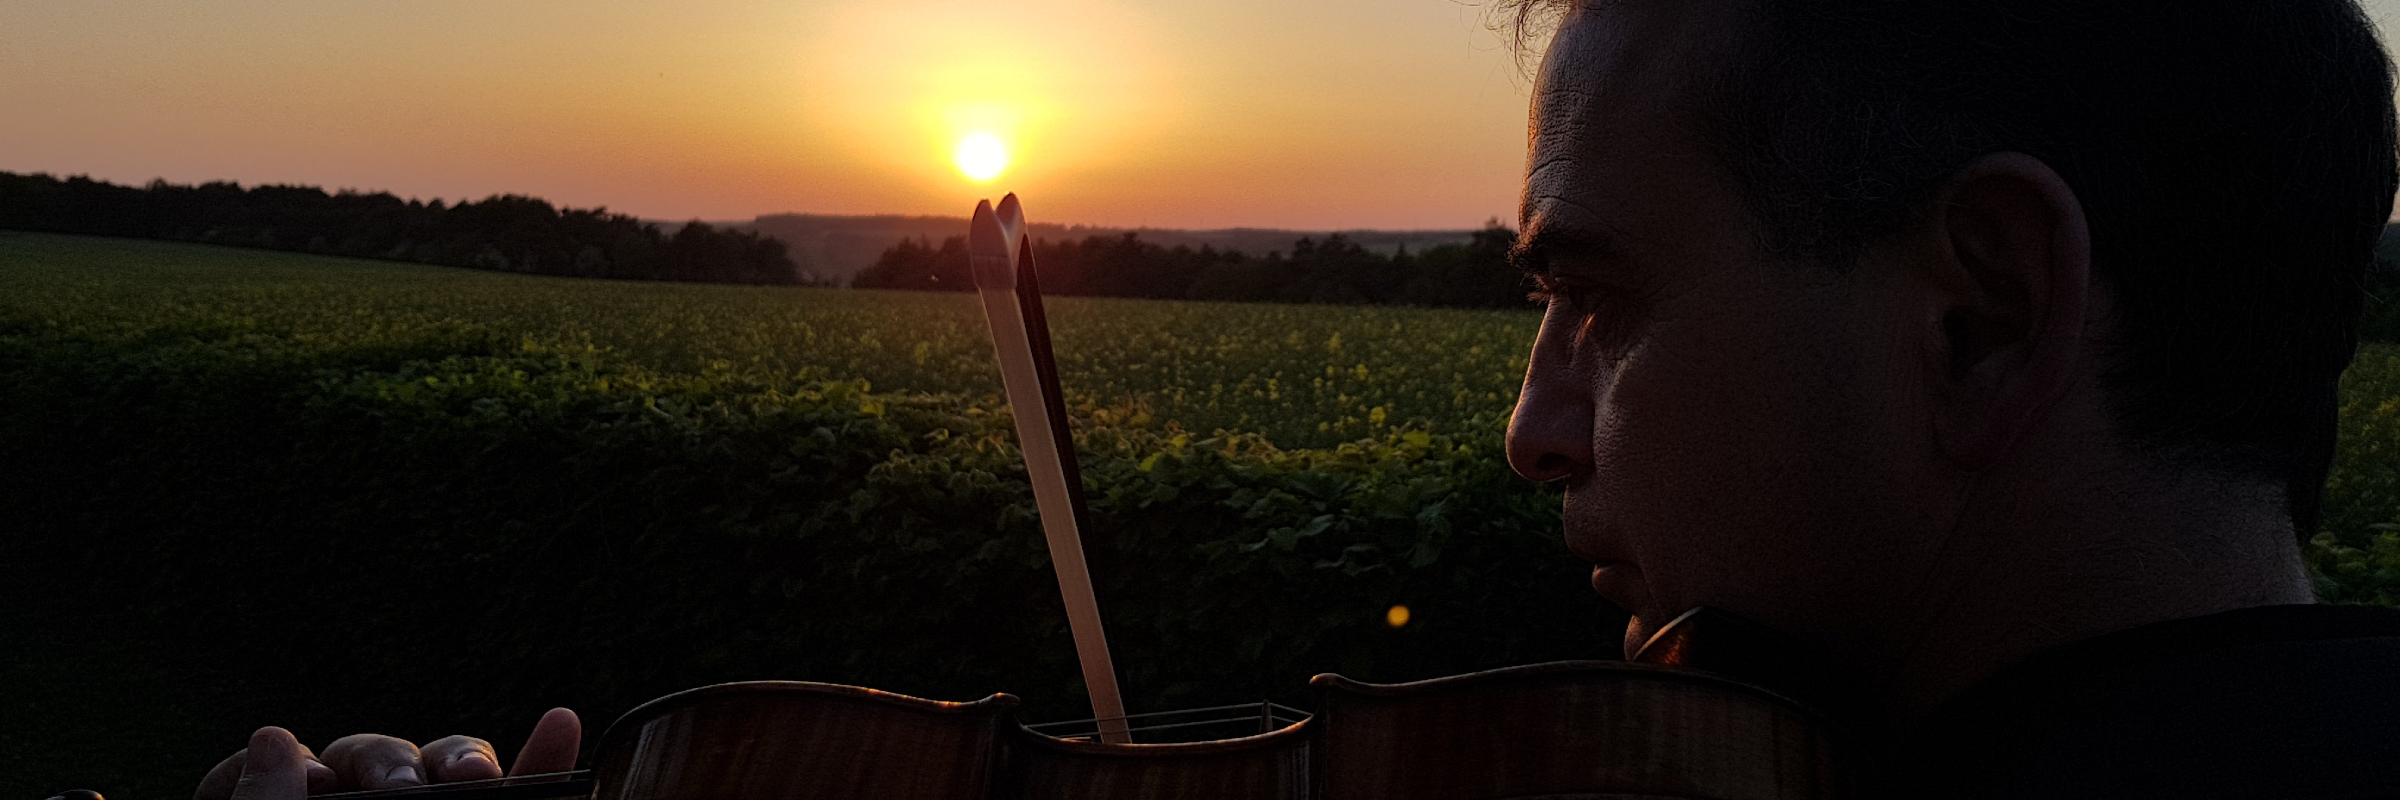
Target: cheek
1717, 460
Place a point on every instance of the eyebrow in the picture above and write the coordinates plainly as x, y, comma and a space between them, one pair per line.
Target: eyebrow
1546, 242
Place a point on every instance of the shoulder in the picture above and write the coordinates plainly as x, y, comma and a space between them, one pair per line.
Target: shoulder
2276, 701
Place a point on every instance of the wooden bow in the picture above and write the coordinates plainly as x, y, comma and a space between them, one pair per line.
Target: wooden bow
1001, 255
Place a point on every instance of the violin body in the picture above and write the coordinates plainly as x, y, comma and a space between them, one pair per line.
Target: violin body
1656, 727
789, 739
1572, 729
1575, 729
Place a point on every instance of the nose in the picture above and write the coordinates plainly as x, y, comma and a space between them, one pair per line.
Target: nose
1550, 433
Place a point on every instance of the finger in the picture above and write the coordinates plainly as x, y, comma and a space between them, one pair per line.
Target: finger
460, 758
272, 768
372, 761
221, 779
552, 746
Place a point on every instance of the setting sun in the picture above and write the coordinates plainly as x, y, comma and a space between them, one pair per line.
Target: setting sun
982, 157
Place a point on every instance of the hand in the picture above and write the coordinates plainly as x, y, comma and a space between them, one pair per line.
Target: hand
277, 767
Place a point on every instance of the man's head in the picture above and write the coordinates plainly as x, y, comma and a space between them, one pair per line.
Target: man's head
1852, 270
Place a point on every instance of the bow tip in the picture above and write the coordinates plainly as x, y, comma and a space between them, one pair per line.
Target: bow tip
990, 250
1012, 215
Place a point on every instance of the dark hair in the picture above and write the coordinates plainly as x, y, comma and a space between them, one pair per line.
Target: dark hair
2234, 159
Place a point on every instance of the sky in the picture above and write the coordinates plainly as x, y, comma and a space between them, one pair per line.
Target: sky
1317, 114
1165, 113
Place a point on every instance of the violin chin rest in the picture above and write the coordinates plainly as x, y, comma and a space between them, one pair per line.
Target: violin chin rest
1717, 641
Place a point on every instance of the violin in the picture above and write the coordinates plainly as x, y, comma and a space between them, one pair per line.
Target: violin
1661, 725
1713, 706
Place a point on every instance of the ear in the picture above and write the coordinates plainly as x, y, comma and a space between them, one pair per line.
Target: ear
2011, 267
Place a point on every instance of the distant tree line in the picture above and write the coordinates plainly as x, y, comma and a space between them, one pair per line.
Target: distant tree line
510, 233
1472, 274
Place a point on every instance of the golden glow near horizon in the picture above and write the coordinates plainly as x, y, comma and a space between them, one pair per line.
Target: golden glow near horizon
982, 157
1332, 114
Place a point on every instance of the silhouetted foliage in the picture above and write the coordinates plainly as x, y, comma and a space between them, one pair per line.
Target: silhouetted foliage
509, 233
2380, 317
917, 264
1474, 274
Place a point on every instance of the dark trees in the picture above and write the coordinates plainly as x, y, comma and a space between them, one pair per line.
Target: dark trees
1472, 274
511, 233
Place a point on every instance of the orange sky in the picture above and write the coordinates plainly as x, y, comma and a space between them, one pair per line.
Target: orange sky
1166, 113
1351, 113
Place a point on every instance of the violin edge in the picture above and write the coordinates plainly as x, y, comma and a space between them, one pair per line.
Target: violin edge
996, 704
1333, 682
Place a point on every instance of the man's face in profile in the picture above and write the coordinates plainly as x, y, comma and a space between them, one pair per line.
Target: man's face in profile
1732, 430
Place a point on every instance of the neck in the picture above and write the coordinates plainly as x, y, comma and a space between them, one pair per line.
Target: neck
2044, 557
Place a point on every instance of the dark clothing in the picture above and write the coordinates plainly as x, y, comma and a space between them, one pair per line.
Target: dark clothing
2277, 701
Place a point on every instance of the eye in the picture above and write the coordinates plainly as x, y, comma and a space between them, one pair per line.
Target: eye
1549, 290
1608, 319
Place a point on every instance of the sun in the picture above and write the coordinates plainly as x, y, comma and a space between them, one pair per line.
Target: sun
982, 157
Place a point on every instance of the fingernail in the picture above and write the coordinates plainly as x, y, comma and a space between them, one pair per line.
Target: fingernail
469, 758
403, 775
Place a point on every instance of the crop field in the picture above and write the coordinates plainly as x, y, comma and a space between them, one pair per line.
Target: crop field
249, 480
1300, 376
1303, 376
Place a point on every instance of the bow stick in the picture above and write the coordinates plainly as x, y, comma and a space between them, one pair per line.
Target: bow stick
1001, 255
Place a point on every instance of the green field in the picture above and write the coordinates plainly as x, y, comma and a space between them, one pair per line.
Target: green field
1302, 375
272, 488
